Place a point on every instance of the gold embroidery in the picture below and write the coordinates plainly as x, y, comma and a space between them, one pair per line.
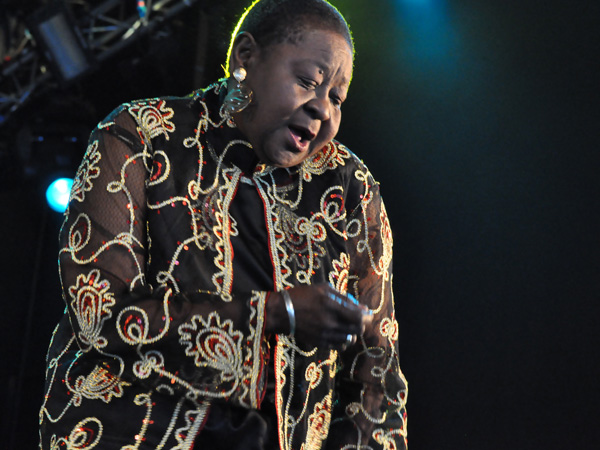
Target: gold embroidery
51, 378
91, 302
338, 278
161, 168
224, 229
151, 361
214, 345
259, 349
301, 239
141, 400
133, 323
79, 234
100, 384
154, 120
88, 170
387, 243
276, 235
328, 158
386, 438
204, 218
193, 421
84, 436
285, 355
318, 425
313, 375
284, 363
332, 209
389, 329
79, 238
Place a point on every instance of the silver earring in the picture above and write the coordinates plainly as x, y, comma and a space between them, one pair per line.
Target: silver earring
240, 96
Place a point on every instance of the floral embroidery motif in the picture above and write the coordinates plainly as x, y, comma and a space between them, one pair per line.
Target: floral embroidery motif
153, 117
328, 158
214, 345
91, 302
339, 276
100, 384
389, 329
318, 425
88, 170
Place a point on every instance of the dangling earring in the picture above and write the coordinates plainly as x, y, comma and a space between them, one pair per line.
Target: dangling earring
239, 97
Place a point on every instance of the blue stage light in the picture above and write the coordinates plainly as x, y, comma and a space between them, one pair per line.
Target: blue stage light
58, 193
430, 35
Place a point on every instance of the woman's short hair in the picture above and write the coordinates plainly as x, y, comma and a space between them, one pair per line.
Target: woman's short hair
275, 21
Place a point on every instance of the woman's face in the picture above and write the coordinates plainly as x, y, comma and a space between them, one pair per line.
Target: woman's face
298, 91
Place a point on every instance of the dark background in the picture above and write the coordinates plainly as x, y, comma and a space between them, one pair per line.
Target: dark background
480, 120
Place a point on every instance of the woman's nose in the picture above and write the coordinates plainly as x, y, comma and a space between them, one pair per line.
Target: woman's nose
318, 108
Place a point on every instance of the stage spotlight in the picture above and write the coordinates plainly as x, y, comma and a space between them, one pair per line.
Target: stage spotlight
58, 38
58, 193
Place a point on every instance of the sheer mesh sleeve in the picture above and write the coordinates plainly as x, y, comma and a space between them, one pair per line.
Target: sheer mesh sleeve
370, 410
126, 327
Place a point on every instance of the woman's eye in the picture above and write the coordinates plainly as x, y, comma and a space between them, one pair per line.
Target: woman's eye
307, 82
337, 102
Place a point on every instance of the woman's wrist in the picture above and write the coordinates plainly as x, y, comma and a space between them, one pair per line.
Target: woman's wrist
276, 316
289, 306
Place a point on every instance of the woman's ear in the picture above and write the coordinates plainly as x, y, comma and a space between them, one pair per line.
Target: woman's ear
245, 49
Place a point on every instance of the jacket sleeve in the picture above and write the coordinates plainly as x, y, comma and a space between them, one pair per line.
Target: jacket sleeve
195, 344
370, 409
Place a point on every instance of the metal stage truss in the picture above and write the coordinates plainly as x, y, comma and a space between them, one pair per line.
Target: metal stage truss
105, 29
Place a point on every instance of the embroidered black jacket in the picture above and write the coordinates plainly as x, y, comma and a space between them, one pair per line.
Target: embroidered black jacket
173, 239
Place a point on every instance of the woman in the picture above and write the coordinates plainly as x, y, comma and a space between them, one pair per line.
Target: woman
226, 265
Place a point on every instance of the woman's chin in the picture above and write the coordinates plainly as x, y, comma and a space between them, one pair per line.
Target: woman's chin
284, 158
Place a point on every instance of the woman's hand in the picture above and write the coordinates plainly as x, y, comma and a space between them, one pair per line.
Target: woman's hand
323, 315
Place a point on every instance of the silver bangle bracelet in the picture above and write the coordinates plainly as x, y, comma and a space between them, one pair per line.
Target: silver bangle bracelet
290, 310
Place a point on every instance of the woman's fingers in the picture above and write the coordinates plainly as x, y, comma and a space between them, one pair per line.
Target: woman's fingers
325, 316
340, 340
351, 311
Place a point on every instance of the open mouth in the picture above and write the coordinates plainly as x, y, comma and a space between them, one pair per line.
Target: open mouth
302, 135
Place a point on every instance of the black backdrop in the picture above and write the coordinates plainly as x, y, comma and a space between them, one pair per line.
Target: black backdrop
480, 119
